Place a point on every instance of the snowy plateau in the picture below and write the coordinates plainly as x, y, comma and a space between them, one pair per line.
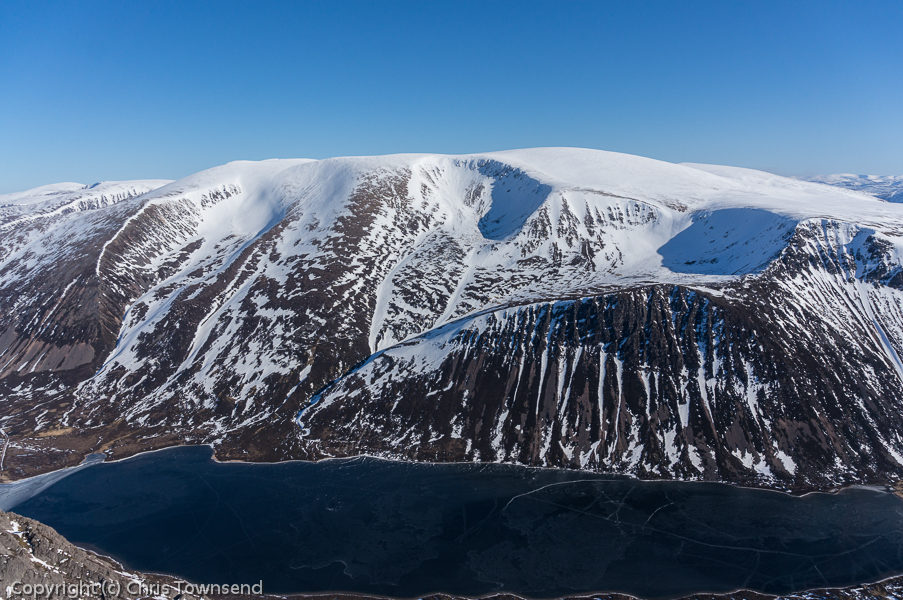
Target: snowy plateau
551, 307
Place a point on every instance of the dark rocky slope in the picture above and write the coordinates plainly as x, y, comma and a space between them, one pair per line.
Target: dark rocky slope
32, 554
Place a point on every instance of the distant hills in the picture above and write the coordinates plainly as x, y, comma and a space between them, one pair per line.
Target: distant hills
886, 187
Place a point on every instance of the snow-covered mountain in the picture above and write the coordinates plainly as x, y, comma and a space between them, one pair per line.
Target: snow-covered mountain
557, 306
886, 187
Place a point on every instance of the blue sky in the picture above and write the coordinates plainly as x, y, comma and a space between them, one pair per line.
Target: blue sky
124, 90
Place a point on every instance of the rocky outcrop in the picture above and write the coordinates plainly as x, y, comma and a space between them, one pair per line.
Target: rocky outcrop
35, 561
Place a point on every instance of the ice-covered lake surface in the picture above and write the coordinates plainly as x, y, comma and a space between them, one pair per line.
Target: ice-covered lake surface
376, 527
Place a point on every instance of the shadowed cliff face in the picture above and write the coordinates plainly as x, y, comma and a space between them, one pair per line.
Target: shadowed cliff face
552, 306
657, 382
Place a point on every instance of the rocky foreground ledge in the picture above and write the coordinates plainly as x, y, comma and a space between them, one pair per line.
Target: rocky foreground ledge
37, 562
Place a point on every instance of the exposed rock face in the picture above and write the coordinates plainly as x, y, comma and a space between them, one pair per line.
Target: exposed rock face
555, 307
51, 316
32, 554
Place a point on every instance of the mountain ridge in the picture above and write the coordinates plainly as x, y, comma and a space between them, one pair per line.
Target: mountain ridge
215, 308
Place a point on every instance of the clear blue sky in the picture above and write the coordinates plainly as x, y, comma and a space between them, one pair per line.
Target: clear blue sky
124, 90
